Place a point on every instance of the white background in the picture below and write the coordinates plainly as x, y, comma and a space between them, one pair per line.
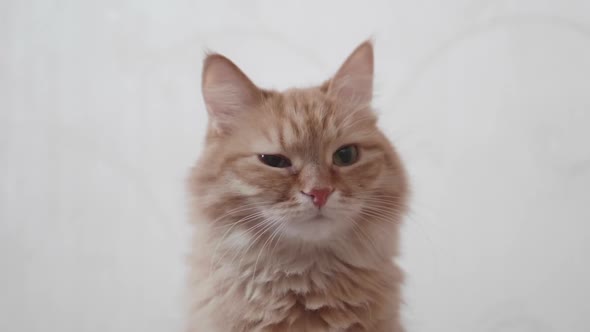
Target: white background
101, 117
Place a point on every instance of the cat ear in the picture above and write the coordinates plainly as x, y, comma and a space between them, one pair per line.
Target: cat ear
354, 80
227, 92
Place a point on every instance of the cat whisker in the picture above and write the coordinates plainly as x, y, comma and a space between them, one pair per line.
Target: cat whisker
359, 230
240, 208
376, 192
272, 235
268, 224
375, 219
260, 225
240, 221
281, 227
383, 200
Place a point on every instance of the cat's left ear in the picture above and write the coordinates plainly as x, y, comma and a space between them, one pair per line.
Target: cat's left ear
353, 82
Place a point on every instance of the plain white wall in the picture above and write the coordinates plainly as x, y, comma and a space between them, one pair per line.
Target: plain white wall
101, 117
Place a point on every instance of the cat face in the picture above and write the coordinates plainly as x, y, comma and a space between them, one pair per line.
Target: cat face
305, 164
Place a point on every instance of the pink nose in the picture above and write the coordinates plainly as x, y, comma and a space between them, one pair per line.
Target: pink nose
319, 196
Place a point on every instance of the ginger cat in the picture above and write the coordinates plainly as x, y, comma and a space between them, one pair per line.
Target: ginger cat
296, 204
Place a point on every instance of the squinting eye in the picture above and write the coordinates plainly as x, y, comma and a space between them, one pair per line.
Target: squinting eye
345, 156
275, 160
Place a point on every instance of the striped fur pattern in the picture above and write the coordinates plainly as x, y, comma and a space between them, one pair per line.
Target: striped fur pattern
264, 257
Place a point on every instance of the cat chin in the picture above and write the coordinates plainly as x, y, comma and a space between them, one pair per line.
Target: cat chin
315, 229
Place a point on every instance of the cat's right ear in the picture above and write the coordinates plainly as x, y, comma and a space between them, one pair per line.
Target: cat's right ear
227, 92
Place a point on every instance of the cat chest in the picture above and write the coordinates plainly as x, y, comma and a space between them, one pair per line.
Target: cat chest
312, 302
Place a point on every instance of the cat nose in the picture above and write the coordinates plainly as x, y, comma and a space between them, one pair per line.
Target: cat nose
319, 196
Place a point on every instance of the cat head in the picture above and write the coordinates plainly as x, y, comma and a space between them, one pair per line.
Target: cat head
310, 164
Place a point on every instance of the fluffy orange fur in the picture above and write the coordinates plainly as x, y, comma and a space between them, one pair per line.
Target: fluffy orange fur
264, 257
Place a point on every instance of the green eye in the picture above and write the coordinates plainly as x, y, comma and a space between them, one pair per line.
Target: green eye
275, 160
345, 156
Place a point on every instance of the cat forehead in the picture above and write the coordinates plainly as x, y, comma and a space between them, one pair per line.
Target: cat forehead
303, 102
304, 122
307, 109
304, 116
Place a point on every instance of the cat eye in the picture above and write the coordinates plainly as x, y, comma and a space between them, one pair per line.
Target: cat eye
275, 160
345, 156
